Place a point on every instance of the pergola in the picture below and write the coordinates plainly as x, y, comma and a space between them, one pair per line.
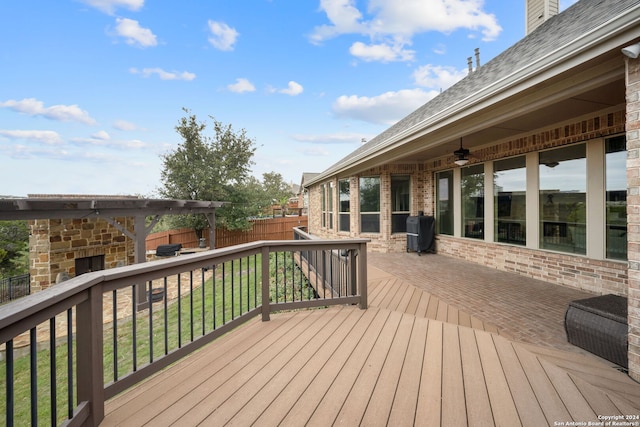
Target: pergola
109, 208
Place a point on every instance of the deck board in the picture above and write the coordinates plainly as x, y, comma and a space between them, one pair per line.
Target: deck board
475, 389
529, 411
410, 359
429, 407
404, 404
502, 402
379, 405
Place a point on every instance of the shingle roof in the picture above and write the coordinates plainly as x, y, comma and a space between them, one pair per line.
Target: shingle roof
558, 31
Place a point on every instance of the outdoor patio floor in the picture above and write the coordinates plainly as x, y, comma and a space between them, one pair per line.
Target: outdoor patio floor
443, 343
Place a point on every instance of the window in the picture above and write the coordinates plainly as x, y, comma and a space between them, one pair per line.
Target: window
400, 199
343, 209
509, 202
472, 183
324, 205
330, 203
370, 204
563, 197
616, 202
444, 202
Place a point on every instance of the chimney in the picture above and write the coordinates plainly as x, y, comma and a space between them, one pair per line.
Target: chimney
538, 11
470, 65
477, 57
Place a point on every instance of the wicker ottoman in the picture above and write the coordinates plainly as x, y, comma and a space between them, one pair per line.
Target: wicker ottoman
599, 325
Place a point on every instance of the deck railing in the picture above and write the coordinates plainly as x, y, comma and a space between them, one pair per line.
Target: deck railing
69, 348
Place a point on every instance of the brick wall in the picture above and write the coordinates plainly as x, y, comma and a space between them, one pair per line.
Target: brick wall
55, 245
633, 212
597, 276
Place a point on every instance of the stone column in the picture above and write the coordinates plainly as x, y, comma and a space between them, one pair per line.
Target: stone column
633, 211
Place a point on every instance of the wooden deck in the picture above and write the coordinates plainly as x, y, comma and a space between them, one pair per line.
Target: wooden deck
410, 359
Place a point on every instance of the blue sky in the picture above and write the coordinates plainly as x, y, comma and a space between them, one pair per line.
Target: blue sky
91, 90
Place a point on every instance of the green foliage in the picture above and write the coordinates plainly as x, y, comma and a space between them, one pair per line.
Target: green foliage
14, 248
208, 168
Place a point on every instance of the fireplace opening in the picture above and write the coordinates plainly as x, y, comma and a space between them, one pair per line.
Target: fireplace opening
88, 264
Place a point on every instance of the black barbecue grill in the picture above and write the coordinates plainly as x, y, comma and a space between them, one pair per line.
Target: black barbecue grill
168, 250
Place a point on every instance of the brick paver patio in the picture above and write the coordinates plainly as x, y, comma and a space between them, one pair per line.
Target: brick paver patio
530, 310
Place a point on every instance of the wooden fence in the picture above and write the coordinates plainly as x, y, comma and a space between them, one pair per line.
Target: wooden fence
263, 229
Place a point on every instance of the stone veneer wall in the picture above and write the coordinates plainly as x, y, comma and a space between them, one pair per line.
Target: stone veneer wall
55, 244
633, 212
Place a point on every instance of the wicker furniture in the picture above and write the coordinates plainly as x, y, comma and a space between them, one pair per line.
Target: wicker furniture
599, 325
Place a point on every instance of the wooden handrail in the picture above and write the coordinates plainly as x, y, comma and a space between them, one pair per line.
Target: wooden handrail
86, 292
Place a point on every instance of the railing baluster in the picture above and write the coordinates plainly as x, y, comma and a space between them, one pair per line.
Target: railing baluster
149, 298
233, 303
33, 366
240, 286
224, 306
255, 280
248, 285
166, 316
202, 285
70, 385
191, 303
9, 398
53, 371
134, 327
179, 313
115, 333
213, 284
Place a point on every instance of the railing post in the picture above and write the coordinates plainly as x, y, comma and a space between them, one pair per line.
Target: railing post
353, 272
89, 368
266, 305
362, 275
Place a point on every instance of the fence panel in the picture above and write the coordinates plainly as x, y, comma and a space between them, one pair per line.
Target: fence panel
263, 229
14, 287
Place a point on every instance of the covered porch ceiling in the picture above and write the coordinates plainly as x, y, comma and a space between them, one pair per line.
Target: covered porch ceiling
594, 86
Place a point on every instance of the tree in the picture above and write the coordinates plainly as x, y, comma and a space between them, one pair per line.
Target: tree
14, 245
276, 190
212, 168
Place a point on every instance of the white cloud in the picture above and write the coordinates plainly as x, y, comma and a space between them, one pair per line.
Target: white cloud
163, 75
134, 34
438, 77
33, 107
390, 24
103, 135
385, 109
222, 36
101, 140
48, 137
334, 138
316, 151
124, 125
292, 89
241, 86
344, 16
381, 52
109, 6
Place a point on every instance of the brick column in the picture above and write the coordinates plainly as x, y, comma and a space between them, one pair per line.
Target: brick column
633, 211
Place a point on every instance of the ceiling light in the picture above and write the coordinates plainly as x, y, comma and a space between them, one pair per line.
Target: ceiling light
462, 155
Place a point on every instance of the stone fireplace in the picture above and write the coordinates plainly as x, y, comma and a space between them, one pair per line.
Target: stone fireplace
65, 248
